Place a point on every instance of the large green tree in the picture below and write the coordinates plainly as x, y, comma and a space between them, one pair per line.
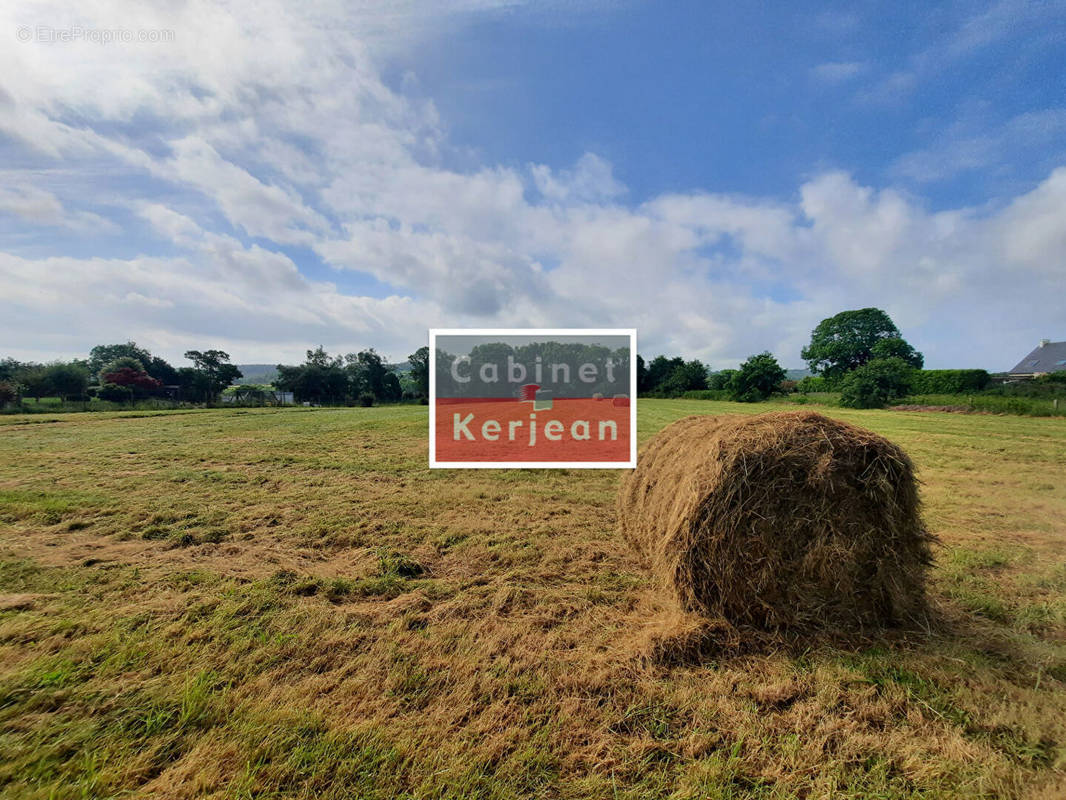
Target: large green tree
848, 340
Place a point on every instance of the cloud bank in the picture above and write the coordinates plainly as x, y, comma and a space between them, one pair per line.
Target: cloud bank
256, 185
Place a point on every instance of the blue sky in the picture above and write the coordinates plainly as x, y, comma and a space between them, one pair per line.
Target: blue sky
266, 177
755, 98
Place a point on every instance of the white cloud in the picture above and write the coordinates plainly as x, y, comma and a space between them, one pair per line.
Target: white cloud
972, 143
249, 204
591, 180
967, 34
890, 90
41, 207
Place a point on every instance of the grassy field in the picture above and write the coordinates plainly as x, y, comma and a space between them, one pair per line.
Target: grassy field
288, 603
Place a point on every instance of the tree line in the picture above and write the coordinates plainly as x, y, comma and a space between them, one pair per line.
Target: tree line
362, 378
859, 353
119, 373
128, 373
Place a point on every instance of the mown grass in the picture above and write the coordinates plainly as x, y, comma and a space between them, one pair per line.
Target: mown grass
288, 603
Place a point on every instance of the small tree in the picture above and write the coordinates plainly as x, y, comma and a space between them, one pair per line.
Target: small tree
162, 371
9, 368
877, 383
215, 366
758, 378
33, 378
120, 363
8, 393
68, 380
391, 391
419, 361
194, 385
132, 380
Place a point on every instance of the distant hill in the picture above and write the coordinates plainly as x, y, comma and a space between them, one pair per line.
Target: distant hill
257, 373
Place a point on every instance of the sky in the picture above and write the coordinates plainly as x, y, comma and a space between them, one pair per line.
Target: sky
266, 177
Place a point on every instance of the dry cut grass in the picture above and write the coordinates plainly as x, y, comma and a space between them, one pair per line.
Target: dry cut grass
288, 603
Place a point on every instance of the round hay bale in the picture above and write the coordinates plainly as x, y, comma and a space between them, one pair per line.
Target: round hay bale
780, 520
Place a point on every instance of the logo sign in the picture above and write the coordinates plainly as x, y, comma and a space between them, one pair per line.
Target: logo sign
542, 397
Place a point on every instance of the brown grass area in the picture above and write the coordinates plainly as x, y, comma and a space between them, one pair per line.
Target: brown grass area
289, 603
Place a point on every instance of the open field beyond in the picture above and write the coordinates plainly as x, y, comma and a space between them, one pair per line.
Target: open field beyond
289, 603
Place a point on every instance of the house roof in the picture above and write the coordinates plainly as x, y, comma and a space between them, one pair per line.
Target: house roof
1050, 357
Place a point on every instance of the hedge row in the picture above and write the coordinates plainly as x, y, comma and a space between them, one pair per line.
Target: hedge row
923, 381
949, 381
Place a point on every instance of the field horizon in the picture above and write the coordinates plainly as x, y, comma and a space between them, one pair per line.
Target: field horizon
288, 602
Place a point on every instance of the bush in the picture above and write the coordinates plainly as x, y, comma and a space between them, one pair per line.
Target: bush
949, 381
366, 399
989, 403
861, 390
1048, 386
113, 393
877, 383
8, 393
